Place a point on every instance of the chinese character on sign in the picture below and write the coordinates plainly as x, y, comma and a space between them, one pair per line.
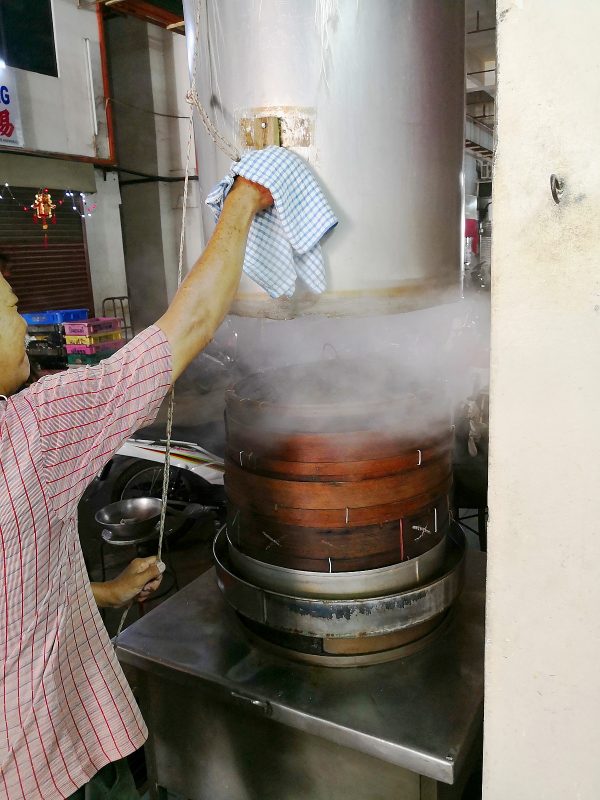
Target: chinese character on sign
11, 133
6, 126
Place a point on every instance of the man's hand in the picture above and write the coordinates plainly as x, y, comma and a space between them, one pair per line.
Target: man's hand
263, 197
137, 582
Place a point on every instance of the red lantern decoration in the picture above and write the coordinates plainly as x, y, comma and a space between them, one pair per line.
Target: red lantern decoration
44, 208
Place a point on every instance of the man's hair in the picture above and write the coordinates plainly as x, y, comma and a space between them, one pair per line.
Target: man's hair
4, 263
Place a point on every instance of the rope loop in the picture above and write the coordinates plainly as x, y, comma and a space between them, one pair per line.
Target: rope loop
222, 143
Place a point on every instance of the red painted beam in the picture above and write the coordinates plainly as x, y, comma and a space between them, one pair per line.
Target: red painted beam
145, 11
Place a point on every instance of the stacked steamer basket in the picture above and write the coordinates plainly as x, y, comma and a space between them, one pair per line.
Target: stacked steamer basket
92, 340
337, 546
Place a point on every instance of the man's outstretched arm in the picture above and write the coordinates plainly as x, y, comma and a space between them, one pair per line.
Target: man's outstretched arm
205, 295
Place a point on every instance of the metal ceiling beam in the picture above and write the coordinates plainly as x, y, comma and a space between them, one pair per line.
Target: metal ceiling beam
144, 10
474, 84
481, 152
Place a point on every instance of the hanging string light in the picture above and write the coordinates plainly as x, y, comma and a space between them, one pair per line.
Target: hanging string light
88, 208
6, 188
83, 208
78, 201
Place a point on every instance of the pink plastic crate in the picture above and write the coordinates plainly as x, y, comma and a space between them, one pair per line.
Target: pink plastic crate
89, 326
92, 349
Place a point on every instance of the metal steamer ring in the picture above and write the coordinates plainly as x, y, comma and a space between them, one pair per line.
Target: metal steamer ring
343, 618
361, 652
340, 585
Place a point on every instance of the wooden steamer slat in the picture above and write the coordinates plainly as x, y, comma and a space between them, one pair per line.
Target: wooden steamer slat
269, 467
268, 494
344, 549
357, 445
337, 517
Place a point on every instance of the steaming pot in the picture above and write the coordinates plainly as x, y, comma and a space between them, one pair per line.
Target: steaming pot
337, 480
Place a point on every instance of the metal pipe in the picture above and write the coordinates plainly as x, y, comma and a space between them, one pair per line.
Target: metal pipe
154, 179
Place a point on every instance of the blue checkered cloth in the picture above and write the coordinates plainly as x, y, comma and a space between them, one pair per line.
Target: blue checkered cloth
283, 241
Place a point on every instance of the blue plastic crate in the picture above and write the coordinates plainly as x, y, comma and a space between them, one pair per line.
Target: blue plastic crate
70, 314
55, 317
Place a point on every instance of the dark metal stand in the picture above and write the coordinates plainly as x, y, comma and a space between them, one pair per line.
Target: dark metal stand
481, 515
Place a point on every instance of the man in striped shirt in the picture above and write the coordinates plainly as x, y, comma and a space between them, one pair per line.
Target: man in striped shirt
65, 708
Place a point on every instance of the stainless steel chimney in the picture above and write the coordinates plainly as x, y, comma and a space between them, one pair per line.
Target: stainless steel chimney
371, 94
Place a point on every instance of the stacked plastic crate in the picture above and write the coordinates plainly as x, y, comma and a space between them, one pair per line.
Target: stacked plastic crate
45, 336
91, 340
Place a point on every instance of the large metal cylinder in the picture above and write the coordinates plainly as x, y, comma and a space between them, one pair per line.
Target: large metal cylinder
372, 96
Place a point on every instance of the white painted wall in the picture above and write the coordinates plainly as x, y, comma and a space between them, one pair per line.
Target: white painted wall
56, 113
105, 240
542, 714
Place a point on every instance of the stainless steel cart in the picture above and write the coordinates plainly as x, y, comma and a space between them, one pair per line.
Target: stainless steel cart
230, 722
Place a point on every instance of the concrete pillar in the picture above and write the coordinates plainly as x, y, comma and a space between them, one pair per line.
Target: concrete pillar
149, 73
542, 729
131, 83
105, 241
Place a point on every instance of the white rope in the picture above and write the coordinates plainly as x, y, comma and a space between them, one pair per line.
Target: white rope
186, 183
121, 623
326, 16
222, 143
171, 406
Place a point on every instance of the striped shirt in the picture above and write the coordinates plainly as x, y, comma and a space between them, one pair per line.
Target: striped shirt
65, 707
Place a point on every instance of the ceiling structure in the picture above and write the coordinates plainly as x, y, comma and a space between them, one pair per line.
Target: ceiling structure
166, 13
481, 61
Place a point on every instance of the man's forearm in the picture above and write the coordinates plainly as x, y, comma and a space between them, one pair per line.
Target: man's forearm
205, 295
103, 594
